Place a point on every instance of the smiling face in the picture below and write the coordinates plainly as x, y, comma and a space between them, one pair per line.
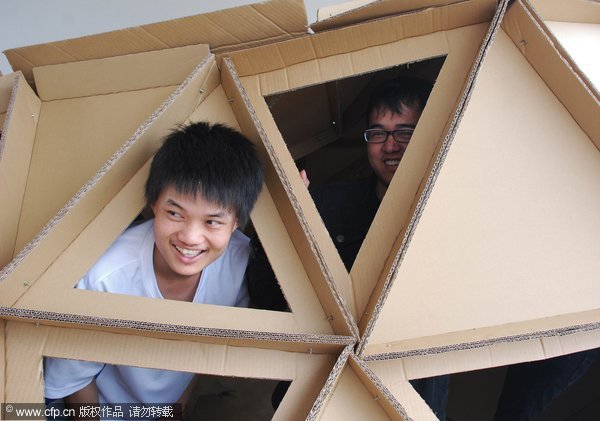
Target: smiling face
189, 234
385, 157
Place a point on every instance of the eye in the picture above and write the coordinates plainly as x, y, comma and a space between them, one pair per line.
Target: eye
374, 135
403, 135
173, 214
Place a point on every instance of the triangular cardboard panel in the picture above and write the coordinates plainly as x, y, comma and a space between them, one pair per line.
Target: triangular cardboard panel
280, 185
491, 231
21, 110
460, 45
50, 285
49, 243
351, 380
87, 103
296, 59
229, 29
26, 344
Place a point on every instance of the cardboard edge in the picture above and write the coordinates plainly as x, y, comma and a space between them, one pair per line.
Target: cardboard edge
580, 97
578, 11
202, 71
27, 344
341, 317
376, 303
296, 342
19, 128
330, 383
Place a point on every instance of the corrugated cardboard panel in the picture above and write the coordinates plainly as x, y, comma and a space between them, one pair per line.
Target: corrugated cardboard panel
28, 343
228, 29
460, 47
506, 240
353, 393
22, 109
286, 54
401, 367
555, 67
33, 260
350, 13
89, 111
582, 11
285, 185
132, 72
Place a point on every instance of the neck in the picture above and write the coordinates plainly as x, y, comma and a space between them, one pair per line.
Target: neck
380, 189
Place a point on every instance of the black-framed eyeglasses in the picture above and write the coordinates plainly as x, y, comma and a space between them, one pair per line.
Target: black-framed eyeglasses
380, 136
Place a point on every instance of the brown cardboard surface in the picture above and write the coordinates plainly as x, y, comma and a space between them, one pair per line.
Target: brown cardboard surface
345, 14
224, 30
282, 180
35, 258
296, 58
22, 113
26, 344
555, 67
582, 11
500, 237
134, 72
352, 381
88, 109
401, 368
460, 47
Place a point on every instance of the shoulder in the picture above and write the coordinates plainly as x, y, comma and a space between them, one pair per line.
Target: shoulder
123, 256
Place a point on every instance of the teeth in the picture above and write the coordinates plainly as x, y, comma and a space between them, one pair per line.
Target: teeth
392, 162
188, 253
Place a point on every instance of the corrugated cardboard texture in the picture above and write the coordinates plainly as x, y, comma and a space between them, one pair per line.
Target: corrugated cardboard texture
352, 393
22, 110
285, 185
2, 361
85, 117
290, 55
224, 30
26, 344
350, 13
493, 231
32, 261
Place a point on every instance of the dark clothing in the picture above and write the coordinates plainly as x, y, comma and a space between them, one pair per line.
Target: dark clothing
347, 210
529, 388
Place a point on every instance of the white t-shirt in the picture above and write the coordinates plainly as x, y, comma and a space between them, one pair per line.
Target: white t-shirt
126, 268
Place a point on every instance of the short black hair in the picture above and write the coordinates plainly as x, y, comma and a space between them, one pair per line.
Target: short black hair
214, 160
402, 91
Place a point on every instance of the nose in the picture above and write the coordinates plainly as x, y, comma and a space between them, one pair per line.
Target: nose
191, 234
390, 145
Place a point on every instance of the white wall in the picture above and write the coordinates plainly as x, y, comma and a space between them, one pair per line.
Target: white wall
27, 22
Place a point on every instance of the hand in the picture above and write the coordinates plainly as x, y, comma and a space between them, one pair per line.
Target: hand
304, 178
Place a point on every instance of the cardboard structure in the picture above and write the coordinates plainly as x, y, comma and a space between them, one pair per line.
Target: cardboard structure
483, 251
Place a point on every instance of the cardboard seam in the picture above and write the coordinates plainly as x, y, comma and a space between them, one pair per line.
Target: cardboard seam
10, 267
486, 43
559, 332
560, 51
381, 388
295, 204
332, 379
76, 320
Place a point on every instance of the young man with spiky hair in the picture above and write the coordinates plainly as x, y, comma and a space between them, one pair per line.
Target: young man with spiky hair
202, 185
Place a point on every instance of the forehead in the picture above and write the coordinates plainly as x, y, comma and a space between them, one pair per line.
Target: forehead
191, 202
385, 116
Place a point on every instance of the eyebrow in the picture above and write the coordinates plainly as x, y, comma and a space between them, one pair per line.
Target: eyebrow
397, 126
217, 214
